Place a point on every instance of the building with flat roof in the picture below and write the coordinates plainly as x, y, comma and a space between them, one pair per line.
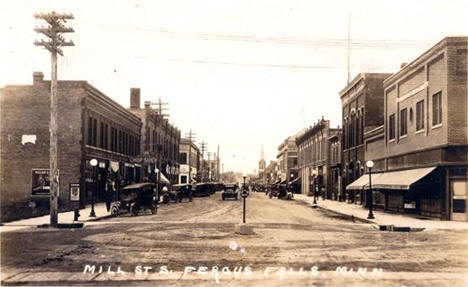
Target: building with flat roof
90, 125
362, 110
159, 143
420, 152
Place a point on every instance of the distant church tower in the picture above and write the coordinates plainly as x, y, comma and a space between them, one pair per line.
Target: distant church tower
261, 164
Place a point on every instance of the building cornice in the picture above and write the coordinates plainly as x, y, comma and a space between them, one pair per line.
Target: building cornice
424, 57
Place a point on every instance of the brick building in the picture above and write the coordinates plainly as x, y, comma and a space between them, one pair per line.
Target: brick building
314, 158
362, 110
189, 160
159, 143
420, 152
90, 125
334, 165
287, 160
271, 173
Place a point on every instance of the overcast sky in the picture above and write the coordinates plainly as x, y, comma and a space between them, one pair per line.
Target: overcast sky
238, 73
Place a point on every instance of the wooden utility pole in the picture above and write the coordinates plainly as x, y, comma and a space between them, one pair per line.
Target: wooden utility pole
191, 137
209, 167
203, 147
56, 41
217, 165
349, 35
161, 107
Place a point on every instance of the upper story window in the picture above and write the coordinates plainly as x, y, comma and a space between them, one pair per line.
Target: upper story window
92, 131
183, 158
391, 127
437, 109
403, 122
420, 115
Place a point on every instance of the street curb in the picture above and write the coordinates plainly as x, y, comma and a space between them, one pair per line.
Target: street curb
352, 217
375, 224
98, 218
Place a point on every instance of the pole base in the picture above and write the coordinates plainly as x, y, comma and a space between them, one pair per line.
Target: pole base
92, 214
244, 229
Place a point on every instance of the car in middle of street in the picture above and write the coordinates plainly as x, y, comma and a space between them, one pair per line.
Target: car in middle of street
231, 190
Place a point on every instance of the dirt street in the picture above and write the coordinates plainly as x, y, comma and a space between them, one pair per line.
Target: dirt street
194, 243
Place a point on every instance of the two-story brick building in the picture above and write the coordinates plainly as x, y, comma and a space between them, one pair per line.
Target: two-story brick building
362, 110
420, 153
159, 143
189, 160
287, 160
314, 158
90, 125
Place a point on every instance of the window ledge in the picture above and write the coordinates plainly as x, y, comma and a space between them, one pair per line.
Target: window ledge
419, 131
437, 126
403, 136
392, 140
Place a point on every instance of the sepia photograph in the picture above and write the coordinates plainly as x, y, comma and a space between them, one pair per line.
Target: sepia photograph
234, 143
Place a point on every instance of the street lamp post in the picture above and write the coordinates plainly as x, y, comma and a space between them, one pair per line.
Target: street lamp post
370, 165
291, 176
93, 162
244, 197
157, 184
314, 173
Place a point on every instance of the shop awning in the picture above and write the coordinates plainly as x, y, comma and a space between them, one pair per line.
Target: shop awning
401, 180
163, 179
361, 183
296, 181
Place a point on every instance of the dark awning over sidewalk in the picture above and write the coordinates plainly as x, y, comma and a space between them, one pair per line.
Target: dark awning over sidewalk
297, 180
361, 183
399, 180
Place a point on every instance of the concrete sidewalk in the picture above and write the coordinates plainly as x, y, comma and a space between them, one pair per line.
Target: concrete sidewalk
381, 218
63, 217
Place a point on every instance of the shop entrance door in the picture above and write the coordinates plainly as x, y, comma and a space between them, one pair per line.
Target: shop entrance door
459, 190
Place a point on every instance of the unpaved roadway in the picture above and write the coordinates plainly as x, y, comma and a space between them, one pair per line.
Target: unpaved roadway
194, 243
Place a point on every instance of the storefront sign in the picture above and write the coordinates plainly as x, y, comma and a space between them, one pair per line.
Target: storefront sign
40, 181
410, 205
74, 192
114, 166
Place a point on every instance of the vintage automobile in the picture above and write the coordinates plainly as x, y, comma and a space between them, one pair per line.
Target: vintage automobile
168, 194
285, 192
204, 189
181, 191
135, 198
230, 191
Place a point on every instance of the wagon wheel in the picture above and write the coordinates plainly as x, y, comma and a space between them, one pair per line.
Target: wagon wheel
135, 209
115, 210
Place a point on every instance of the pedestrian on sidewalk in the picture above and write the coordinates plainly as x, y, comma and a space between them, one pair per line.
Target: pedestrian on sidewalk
110, 190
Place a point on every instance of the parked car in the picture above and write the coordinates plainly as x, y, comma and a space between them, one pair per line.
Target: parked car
135, 198
203, 189
182, 191
230, 191
169, 194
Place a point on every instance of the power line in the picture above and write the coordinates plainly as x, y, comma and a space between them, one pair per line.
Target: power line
356, 43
